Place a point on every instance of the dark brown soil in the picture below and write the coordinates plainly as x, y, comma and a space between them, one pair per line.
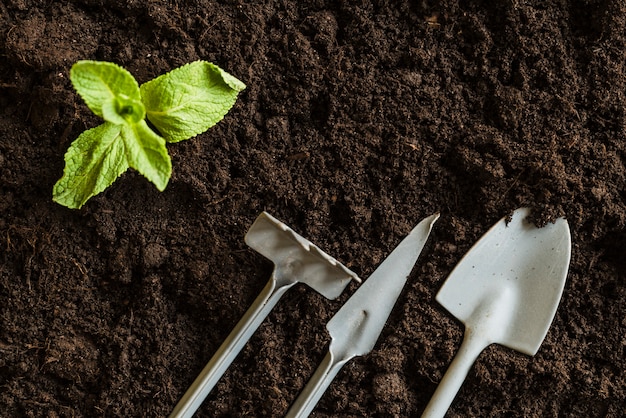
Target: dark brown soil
360, 119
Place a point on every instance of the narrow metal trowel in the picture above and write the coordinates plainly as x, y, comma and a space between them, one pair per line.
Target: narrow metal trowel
356, 326
296, 260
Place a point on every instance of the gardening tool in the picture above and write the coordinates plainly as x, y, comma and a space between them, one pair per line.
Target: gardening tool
356, 326
295, 260
505, 290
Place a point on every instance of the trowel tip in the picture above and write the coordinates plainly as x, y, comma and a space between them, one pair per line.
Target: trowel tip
428, 222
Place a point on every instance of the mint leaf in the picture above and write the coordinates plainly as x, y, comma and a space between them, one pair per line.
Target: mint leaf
146, 153
92, 163
189, 100
100, 155
104, 84
181, 104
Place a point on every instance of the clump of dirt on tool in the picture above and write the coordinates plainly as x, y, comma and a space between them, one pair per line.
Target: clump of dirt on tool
359, 120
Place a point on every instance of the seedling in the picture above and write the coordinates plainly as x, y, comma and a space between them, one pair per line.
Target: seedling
180, 105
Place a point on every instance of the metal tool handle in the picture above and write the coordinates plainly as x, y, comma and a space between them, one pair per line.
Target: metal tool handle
312, 393
230, 348
449, 386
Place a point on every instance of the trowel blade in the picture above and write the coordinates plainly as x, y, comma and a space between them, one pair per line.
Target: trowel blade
356, 326
515, 273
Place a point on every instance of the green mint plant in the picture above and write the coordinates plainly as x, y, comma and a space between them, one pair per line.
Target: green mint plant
181, 104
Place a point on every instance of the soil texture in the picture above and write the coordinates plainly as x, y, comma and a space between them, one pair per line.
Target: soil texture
360, 118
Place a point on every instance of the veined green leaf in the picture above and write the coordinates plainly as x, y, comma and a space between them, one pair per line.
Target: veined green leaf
100, 155
181, 104
102, 84
146, 153
92, 163
189, 100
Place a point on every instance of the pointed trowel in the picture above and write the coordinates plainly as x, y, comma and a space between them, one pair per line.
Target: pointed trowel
356, 326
